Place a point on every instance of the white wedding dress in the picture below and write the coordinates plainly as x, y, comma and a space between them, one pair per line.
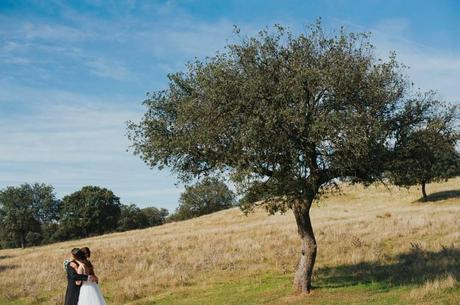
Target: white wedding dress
90, 294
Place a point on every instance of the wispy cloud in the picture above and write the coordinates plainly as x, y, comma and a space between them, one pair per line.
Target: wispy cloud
62, 126
430, 67
70, 140
38, 43
41, 31
112, 69
188, 37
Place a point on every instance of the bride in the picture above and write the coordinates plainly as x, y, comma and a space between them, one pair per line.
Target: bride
90, 294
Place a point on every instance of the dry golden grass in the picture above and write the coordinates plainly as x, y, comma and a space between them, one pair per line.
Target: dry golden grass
438, 285
364, 235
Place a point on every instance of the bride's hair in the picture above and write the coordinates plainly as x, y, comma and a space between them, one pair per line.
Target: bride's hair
87, 251
89, 266
87, 262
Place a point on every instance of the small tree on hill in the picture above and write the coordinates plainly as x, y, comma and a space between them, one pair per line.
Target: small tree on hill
284, 116
428, 154
205, 197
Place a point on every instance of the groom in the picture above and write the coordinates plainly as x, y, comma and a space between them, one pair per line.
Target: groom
73, 290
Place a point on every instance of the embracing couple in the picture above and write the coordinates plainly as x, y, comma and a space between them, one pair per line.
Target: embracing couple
82, 287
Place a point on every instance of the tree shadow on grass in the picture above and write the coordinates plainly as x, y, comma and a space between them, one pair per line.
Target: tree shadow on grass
415, 267
441, 196
6, 267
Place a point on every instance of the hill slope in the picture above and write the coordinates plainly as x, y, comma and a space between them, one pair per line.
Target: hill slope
375, 246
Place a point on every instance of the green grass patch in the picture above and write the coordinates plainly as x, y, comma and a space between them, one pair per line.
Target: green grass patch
274, 289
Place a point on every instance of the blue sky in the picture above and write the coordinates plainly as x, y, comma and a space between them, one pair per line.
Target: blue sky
73, 72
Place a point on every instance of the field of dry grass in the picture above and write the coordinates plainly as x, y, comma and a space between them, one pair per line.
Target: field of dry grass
375, 246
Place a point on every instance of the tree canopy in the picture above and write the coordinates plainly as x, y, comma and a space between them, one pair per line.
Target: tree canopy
90, 211
27, 214
283, 116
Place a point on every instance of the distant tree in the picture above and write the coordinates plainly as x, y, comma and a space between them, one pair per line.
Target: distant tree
17, 215
51, 233
428, 154
26, 213
90, 211
131, 218
47, 209
155, 216
284, 116
205, 197
45, 203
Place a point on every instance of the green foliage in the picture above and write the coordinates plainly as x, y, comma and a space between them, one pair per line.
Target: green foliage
90, 211
31, 215
45, 203
155, 216
26, 214
428, 153
50, 233
131, 217
205, 197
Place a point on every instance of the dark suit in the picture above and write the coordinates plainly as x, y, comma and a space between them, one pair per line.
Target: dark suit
73, 290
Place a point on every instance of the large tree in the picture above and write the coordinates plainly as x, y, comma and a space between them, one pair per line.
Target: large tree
428, 153
284, 116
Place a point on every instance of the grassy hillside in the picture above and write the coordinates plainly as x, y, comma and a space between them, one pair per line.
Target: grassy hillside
376, 246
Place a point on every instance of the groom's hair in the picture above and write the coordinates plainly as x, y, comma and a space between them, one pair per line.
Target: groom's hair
86, 251
75, 251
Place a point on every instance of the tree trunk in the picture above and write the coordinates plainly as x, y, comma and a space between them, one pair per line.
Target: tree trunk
302, 279
424, 190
